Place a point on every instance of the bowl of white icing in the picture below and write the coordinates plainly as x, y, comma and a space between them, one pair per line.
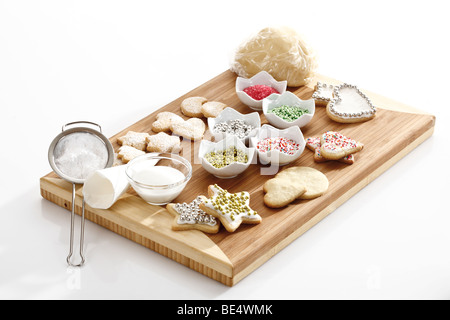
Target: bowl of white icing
159, 179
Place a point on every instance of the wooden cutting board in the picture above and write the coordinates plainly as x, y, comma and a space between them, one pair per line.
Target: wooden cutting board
229, 257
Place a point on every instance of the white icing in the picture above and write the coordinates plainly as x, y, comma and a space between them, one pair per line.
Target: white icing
349, 102
324, 92
192, 214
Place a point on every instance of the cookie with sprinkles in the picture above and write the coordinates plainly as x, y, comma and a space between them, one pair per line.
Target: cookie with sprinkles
188, 216
232, 209
314, 144
335, 145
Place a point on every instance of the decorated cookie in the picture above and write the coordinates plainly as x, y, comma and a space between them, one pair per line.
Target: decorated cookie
281, 192
164, 120
314, 144
188, 216
192, 129
192, 107
315, 182
163, 143
231, 209
127, 153
212, 109
133, 139
323, 93
335, 145
350, 105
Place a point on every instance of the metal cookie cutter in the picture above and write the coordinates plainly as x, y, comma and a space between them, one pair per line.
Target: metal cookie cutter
75, 154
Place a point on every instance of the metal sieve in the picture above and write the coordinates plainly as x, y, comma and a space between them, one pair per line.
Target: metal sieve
75, 154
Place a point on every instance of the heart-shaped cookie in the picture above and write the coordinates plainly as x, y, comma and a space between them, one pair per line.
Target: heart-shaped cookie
192, 129
335, 145
350, 105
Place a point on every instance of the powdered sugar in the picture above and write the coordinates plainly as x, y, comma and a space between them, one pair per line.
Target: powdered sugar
77, 155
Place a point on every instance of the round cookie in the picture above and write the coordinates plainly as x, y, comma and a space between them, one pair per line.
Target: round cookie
192, 107
212, 109
315, 182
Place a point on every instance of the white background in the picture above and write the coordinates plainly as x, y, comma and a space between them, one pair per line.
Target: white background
114, 62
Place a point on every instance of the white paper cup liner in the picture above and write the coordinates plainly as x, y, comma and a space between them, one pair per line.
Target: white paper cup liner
104, 187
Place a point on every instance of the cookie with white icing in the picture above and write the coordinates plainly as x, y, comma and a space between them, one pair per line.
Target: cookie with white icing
350, 105
188, 216
335, 145
232, 209
314, 144
323, 93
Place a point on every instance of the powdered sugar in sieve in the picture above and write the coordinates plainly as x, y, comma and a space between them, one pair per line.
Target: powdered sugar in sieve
79, 154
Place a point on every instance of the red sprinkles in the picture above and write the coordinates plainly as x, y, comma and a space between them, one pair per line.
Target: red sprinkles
334, 141
259, 91
281, 144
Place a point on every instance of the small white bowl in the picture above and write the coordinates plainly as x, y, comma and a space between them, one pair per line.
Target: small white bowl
232, 170
158, 178
262, 78
276, 157
289, 99
231, 114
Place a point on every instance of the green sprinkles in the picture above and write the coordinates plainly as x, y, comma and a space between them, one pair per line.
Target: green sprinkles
289, 113
226, 157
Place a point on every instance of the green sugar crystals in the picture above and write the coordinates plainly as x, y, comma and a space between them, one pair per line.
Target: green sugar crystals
226, 157
288, 113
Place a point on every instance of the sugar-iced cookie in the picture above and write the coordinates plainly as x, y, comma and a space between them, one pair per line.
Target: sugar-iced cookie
335, 145
163, 143
315, 182
212, 109
192, 129
350, 105
133, 139
188, 216
127, 153
323, 93
192, 107
281, 192
314, 144
231, 209
164, 120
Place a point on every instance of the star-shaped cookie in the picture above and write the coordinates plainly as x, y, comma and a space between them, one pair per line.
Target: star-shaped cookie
231, 209
188, 216
134, 139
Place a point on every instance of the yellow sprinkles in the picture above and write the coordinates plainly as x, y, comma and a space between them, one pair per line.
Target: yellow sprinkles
226, 157
231, 203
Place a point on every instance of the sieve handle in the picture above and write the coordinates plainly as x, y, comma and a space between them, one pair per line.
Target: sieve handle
80, 122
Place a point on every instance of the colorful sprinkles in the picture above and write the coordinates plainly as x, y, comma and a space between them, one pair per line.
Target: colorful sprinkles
281, 144
334, 141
